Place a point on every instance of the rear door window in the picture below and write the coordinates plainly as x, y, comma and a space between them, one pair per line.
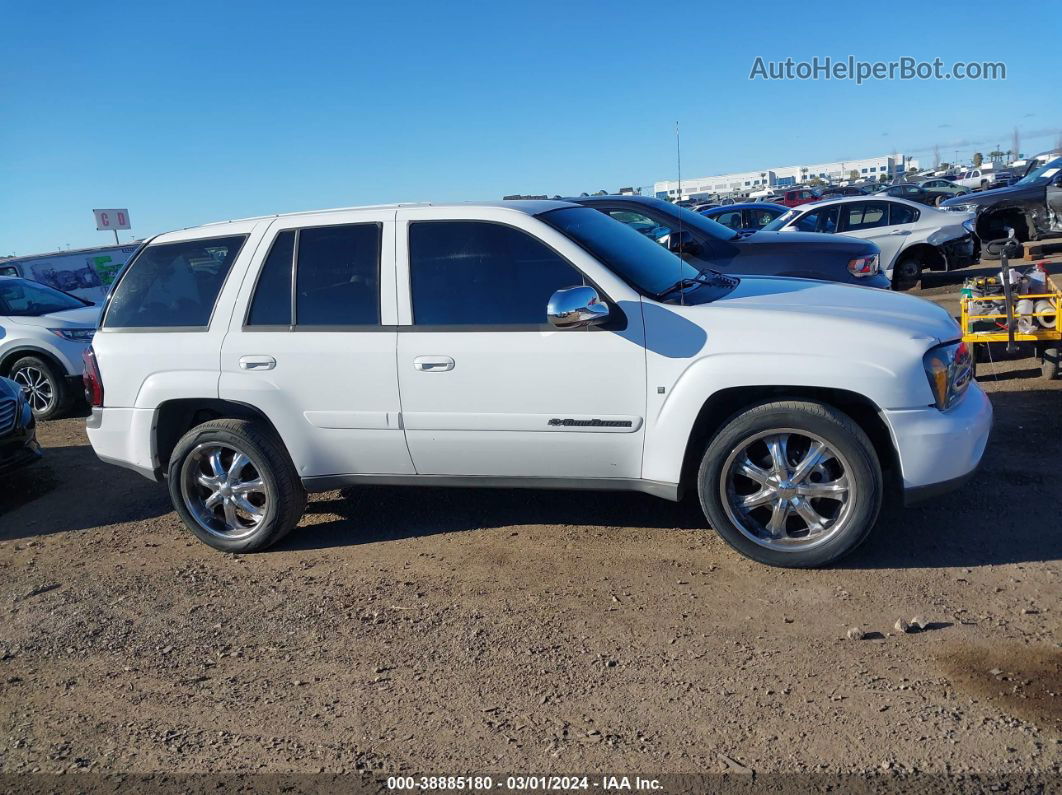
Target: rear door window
337, 279
173, 285
864, 215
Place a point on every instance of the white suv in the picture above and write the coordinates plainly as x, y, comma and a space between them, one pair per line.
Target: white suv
534, 344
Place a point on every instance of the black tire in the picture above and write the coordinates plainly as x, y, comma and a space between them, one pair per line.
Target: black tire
907, 273
834, 428
283, 495
1049, 362
44, 385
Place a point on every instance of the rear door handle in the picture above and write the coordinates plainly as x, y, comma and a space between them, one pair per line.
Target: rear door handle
900, 232
257, 362
433, 364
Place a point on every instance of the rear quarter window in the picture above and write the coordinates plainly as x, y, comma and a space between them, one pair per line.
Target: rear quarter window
173, 285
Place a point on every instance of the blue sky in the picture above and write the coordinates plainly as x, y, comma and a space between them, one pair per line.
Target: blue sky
199, 111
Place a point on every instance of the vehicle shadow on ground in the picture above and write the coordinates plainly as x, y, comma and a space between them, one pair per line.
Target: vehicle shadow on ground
370, 514
71, 489
1005, 514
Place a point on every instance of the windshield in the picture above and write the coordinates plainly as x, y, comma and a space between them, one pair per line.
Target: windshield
782, 220
1044, 172
645, 265
22, 298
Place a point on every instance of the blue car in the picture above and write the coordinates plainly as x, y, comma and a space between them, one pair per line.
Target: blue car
749, 216
706, 244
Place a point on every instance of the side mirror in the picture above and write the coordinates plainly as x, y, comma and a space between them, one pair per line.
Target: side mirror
683, 243
576, 307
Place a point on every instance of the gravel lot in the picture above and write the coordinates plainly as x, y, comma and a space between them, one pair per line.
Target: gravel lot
459, 631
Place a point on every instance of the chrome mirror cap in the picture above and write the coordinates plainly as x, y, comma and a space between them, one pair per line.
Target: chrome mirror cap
576, 307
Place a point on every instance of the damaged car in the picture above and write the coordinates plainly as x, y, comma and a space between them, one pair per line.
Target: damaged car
912, 237
1032, 207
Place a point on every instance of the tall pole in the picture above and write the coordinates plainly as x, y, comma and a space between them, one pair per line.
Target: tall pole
678, 158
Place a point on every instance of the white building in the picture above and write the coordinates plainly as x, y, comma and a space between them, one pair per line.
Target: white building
746, 182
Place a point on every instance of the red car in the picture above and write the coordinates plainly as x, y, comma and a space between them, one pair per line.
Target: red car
798, 196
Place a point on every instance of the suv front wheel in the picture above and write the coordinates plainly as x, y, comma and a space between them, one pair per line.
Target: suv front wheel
234, 485
793, 483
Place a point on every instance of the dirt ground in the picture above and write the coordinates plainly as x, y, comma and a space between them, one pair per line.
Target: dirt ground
463, 631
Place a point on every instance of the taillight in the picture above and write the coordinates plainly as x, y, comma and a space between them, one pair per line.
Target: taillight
91, 378
863, 266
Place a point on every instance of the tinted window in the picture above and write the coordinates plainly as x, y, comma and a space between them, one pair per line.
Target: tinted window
20, 298
337, 281
865, 215
8, 270
271, 305
479, 273
902, 214
759, 218
731, 218
822, 220
173, 284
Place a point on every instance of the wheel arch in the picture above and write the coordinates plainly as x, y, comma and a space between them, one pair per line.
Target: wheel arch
9, 358
725, 403
928, 254
174, 418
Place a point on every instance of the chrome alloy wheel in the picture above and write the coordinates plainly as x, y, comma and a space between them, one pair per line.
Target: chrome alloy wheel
787, 489
223, 489
36, 386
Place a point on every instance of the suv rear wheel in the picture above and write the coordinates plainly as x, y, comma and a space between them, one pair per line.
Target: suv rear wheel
793, 483
234, 485
44, 387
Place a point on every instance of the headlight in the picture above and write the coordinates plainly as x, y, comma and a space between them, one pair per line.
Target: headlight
968, 225
962, 208
949, 369
863, 266
74, 334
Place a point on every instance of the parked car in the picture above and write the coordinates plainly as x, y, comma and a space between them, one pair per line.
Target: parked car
929, 195
750, 216
943, 189
798, 196
18, 432
534, 344
706, 244
1001, 179
840, 190
911, 237
976, 179
43, 333
1032, 207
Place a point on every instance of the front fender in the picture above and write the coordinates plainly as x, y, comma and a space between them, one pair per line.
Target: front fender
668, 428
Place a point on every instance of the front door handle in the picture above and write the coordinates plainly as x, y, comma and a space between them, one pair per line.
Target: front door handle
433, 364
257, 362
900, 232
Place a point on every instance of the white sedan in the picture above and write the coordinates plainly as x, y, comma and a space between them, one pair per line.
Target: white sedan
912, 237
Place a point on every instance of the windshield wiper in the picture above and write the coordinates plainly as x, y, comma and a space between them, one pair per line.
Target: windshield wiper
704, 277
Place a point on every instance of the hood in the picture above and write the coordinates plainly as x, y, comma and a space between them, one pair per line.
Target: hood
81, 317
829, 301
987, 197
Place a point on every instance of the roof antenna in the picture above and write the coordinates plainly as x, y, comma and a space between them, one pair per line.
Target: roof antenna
678, 198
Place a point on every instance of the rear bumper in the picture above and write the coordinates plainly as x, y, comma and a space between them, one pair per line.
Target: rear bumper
124, 437
940, 450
